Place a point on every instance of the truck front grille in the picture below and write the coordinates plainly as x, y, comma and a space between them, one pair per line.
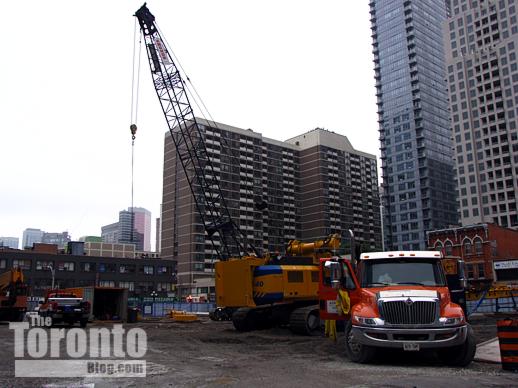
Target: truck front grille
404, 312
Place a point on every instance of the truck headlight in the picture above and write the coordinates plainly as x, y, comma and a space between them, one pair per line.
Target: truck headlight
369, 321
451, 321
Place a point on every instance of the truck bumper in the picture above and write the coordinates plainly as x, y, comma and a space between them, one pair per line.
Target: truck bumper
68, 316
427, 338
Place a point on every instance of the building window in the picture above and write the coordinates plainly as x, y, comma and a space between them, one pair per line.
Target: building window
22, 264
164, 287
481, 271
107, 267
144, 287
129, 285
469, 268
44, 265
127, 268
478, 246
448, 248
3, 264
162, 270
438, 246
148, 269
468, 250
88, 267
67, 266
106, 283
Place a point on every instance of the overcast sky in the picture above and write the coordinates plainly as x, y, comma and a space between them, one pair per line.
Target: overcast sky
280, 68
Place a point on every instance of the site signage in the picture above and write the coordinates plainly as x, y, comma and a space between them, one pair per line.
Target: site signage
509, 264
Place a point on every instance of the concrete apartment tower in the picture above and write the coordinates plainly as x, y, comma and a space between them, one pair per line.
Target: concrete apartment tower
314, 184
338, 189
417, 159
481, 40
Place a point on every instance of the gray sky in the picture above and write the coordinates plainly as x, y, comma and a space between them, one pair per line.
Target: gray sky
280, 68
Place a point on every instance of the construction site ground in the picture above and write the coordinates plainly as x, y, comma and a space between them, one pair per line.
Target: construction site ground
213, 354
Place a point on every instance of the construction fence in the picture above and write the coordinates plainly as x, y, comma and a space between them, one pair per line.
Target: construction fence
160, 307
493, 305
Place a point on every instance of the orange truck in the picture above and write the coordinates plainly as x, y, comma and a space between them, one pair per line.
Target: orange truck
397, 300
65, 307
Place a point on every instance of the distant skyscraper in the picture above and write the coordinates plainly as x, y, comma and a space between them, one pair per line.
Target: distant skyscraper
31, 236
110, 233
482, 69
158, 235
143, 226
121, 232
10, 242
415, 135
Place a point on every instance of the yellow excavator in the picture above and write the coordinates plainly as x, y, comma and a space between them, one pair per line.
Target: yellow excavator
274, 290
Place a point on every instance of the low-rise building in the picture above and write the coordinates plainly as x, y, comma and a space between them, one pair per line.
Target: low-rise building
490, 251
139, 276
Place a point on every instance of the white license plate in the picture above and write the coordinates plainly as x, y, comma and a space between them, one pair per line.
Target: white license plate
411, 347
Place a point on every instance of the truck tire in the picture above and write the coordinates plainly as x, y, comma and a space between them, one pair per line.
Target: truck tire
355, 351
460, 355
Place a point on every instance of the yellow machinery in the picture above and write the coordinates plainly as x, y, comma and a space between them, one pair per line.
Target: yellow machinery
183, 316
261, 292
13, 295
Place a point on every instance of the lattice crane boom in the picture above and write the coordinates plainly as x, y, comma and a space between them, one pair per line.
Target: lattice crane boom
190, 146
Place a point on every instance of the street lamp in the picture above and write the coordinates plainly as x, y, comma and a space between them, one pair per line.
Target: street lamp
154, 294
53, 271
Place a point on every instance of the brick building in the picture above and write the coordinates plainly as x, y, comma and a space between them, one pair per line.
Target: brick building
490, 251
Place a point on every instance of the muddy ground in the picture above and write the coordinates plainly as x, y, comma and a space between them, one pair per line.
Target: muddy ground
213, 354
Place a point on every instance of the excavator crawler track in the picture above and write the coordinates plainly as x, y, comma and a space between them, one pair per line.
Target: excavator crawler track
305, 320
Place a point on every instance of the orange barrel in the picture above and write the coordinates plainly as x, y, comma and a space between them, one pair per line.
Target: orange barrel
508, 340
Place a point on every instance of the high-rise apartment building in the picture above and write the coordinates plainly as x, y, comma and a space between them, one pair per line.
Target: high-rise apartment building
314, 184
338, 188
417, 159
31, 236
481, 39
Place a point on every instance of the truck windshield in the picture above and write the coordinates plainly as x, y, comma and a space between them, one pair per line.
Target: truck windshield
379, 273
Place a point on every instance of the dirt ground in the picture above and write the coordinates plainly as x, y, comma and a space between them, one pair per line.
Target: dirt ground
213, 354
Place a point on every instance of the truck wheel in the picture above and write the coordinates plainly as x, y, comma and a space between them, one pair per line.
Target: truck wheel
460, 355
83, 322
355, 351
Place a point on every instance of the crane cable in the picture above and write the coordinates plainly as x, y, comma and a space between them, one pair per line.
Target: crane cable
134, 115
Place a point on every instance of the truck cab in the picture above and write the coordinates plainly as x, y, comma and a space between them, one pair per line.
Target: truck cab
65, 307
398, 300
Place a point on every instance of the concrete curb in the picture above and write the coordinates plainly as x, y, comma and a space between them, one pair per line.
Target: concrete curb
489, 352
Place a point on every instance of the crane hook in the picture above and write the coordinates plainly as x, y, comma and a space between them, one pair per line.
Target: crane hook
133, 129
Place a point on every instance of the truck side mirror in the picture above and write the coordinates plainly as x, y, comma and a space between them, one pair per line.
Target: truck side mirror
334, 269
